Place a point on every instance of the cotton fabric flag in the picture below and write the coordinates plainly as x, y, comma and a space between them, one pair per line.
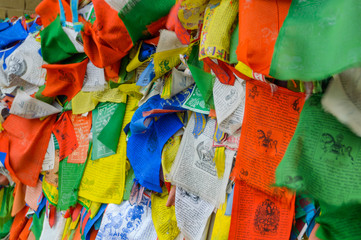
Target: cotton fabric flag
218, 24
332, 44
82, 126
266, 114
55, 232
342, 99
56, 46
47, 17
259, 25
25, 63
194, 168
28, 139
339, 222
104, 179
102, 115
192, 214
27, 107
12, 34
256, 215
331, 148
128, 221
138, 16
190, 13
164, 219
145, 149
64, 79
7, 200
65, 135
101, 39
222, 224
70, 175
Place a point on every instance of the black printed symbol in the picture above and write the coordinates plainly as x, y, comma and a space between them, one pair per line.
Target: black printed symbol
231, 97
205, 161
267, 218
66, 76
191, 196
279, 193
295, 182
334, 148
244, 172
97, 26
296, 105
253, 92
266, 141
16, 65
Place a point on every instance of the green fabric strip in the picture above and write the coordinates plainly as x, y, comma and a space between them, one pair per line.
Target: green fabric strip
318, 38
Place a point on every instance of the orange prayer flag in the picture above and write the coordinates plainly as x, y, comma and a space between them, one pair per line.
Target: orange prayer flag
47, 15
64, 79
111, 72
212, 113
106, 41
223, 73
26, 230
29, 139
65, 134
154, 27
269, 123
82, 126
259, 25
19, 196
256, 215
173, 24
19, 223
172, 17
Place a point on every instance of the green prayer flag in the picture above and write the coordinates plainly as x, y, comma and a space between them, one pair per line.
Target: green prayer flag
101, 117
233, 46
195, 102
113, 128
339, 222
70, 175
41, 97
67, 106
6, 219
138, 15
37, 225
128, 184
318, 38
203, 80
55, 43
323, 158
